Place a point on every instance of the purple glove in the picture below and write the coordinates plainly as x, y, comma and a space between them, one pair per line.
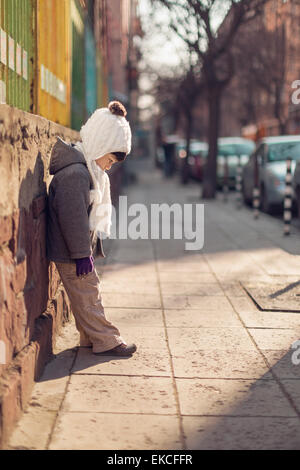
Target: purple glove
84, 265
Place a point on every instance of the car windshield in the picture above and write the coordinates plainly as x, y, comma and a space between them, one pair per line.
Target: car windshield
283, 150
235, 146
198, 146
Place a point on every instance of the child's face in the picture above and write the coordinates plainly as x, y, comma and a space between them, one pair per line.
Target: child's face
106, 161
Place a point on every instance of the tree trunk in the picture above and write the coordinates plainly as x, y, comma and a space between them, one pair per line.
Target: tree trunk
185, 161
282, 127
210, 171
278, 109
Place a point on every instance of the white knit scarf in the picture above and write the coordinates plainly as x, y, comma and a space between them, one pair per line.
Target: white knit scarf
100, 197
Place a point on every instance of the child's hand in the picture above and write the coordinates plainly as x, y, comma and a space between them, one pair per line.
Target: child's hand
84, 265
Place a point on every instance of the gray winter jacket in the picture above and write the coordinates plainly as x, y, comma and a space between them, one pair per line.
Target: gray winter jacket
68, 233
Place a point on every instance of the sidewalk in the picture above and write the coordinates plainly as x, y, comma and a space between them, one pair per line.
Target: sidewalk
212, 371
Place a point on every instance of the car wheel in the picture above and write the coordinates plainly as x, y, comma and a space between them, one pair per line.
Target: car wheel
246, 200
298, 201
264, 202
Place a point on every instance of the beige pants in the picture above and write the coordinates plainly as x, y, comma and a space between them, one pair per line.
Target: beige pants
85, 299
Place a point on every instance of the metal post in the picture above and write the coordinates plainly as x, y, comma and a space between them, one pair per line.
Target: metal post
225, 180
256, 191
238, 183
287, 204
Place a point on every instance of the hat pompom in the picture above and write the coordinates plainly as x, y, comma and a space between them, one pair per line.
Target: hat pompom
117, 108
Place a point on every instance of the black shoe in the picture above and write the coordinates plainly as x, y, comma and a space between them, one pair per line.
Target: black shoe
120, 350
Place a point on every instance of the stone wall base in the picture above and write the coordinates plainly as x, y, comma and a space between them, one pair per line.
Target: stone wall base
18, 379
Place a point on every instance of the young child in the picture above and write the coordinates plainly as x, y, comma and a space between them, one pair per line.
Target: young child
78, 193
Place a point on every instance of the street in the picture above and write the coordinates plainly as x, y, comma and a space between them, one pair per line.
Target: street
212, 370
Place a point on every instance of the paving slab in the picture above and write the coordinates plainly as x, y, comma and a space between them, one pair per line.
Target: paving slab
130, 300
279, 278
109, 431
242, 304
275, 338
48, 392
265, 227
139, 259
276, 260
194, 339
33, 431
259, 319
282, 364
292, 387
234, 261
131, 247
186, 277
233, 289
245, 276
135, 316
128, 244
124, 286
127, 270
145, 337
230, 397
145, 363
119, 394
183, 265
172, 251
230, 364
179, 288
207, 302
184, 318
241, 433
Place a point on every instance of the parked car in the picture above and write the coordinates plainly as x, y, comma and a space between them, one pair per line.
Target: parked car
296, 186
271, 154
196, 159
169, 154
159, 157
232, 149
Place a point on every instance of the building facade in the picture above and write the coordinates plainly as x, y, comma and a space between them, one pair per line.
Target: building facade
267, 57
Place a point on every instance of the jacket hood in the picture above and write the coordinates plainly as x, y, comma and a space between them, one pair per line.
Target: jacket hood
64, 154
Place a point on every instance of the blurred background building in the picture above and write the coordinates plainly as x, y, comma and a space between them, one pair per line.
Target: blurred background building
267, 56
62, 59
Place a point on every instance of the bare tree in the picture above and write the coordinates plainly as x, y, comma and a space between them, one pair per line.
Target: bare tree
193, 22
165, 88
177, 95
189, 90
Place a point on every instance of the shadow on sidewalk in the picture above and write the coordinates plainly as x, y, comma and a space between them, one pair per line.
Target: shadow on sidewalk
57, 368
232, 412
247, 414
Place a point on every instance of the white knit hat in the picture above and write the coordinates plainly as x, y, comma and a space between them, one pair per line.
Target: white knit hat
106, 131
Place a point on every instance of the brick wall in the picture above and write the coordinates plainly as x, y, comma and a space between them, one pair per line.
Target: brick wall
33, 303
